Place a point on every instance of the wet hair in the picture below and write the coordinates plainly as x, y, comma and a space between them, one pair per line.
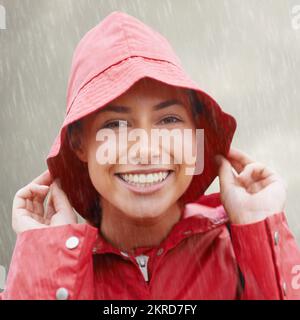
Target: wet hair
197, 105
76, 126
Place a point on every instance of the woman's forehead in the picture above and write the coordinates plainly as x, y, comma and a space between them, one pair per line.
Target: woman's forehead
148, 92
151, 89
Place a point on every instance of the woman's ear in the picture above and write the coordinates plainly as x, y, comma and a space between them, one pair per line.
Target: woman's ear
75, 137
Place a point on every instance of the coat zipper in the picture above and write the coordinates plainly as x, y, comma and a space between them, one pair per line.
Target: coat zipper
142, 261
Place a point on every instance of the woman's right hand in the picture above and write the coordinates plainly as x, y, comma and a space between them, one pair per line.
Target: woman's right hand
28, 210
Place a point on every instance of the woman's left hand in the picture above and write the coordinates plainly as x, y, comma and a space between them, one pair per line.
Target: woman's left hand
251, 194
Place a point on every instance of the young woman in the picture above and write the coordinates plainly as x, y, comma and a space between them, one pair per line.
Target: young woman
150, 231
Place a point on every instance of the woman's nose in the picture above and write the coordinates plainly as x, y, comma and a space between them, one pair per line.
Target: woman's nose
147, 150
149, 154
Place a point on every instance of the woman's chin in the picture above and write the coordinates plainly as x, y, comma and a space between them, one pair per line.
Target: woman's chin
143, 212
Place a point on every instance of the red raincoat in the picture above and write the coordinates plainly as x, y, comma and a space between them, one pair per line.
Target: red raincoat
203, 256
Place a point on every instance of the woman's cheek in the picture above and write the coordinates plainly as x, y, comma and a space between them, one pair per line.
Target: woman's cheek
99, 165
185, 150
106, 151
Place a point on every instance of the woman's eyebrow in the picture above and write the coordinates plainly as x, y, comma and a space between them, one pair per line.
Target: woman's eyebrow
124, 109
167, 103
114, 108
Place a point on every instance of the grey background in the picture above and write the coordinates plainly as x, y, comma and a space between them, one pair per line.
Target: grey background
246, 54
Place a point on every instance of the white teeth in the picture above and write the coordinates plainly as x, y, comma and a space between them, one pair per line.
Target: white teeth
141, 179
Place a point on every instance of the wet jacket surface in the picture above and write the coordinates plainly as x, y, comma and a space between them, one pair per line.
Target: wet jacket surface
199, 259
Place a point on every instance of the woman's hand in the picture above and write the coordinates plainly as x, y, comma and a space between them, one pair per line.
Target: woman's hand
251, 194
28, 210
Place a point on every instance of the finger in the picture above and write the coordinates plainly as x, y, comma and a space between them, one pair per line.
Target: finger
261, 172
238, 156
37, 217
50, 210
237, 166
29, 205
38, 206
226, 175
254, 187
254, 172
257, 186
31, 190
39, 199
44, 179
28, 193
49, 213
48, 198
60, 199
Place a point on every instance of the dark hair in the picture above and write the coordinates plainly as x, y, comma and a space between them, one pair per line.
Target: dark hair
74, 127
197, 105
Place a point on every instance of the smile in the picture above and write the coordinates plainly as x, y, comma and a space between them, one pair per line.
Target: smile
144, 182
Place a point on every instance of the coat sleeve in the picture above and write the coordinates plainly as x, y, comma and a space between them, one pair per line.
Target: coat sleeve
52, 263
269, 259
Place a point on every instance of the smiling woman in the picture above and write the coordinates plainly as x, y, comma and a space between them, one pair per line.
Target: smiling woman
165, 115
150, 231
137, 192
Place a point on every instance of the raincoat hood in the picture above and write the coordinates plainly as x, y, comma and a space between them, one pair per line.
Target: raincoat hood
107, 61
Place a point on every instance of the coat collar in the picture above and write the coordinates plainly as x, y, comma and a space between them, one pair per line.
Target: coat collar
196, 218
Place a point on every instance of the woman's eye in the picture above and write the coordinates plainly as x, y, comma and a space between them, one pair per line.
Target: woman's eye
170, 119
116, 124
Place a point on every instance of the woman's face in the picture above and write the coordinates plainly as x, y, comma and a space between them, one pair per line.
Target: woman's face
144, 178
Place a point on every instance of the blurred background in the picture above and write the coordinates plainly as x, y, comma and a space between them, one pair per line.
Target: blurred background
245, 53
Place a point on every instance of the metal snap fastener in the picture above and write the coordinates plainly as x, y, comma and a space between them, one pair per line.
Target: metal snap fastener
160, 251
72, 242
62, 294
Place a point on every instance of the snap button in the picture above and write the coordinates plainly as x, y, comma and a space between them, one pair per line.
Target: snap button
62, 294
160, 251
276, 237
72, 242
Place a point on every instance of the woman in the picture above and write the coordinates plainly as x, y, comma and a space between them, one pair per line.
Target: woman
150, 231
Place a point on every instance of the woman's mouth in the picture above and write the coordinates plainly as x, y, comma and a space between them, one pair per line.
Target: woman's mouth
145, 182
